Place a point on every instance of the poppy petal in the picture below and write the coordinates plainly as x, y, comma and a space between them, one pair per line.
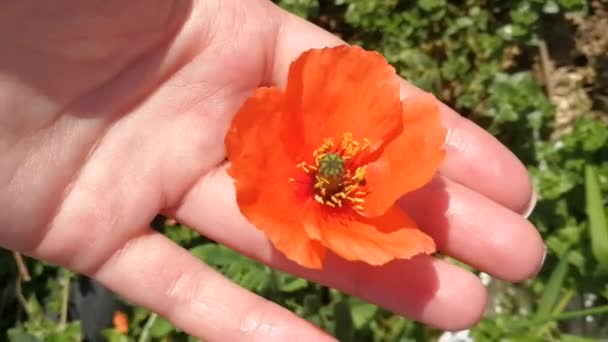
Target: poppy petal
264, 108
375, 241
410, 160
294, 243
261, 171
332, 91
277, 211
392, 220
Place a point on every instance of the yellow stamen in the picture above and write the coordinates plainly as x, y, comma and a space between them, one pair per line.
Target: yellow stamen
335, 183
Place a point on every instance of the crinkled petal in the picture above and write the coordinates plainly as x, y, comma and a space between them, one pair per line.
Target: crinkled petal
342, 89
277, 211
261, 170
289, 237
375, 241
250, 131
409, 161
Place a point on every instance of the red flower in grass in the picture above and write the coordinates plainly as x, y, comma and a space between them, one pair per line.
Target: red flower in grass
320, 165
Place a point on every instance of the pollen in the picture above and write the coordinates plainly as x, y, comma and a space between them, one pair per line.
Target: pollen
337, 176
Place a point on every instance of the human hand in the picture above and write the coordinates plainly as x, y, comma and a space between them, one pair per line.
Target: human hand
111, 113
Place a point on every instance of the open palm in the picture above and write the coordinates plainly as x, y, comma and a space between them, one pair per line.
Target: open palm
113, 112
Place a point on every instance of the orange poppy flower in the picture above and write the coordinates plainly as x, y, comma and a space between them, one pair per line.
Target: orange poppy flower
320, 165
120, 320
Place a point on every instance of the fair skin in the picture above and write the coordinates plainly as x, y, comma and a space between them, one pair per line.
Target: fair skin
114, 111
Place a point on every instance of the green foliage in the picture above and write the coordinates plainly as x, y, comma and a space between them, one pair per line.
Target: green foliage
598, 225
478, 56
303, 8
48, 322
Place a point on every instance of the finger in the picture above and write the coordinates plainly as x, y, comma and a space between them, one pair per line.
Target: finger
475, 158
422, 289
471, 228
154, 272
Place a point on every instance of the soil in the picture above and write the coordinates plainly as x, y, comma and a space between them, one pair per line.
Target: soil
575, 68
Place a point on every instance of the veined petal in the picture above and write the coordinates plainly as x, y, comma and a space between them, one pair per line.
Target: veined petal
375, 241
277, 211
410, 160
249, 134
261, 169
342, 89
289, 237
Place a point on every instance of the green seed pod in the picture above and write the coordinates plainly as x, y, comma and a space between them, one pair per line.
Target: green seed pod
331, 166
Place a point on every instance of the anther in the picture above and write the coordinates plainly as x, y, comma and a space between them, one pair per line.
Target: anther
336, 183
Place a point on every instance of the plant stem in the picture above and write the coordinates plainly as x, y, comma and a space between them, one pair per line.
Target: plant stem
563, 303
547, 67
559, 308
146, 330
19, 294
564, 316
580, 313
23, 272
65, 296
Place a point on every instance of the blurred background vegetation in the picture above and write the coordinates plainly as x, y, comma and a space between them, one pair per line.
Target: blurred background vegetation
533, 72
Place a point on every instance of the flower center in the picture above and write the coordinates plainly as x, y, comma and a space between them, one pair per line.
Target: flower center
338, 179
331, 168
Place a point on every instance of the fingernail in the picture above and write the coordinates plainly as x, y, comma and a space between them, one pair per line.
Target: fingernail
542, 262
531, 205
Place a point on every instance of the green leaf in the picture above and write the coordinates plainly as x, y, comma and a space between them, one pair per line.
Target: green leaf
430, 5
362, 312
551, 292
181, 235
312, 303
68, 333
291, 284
574, 338
161, 327
598, 226
344, 330
36, 312
591, 135
114, 336
246, 272
18, 335
574, 5
302, 8
523, 338
214, 254
598, 310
